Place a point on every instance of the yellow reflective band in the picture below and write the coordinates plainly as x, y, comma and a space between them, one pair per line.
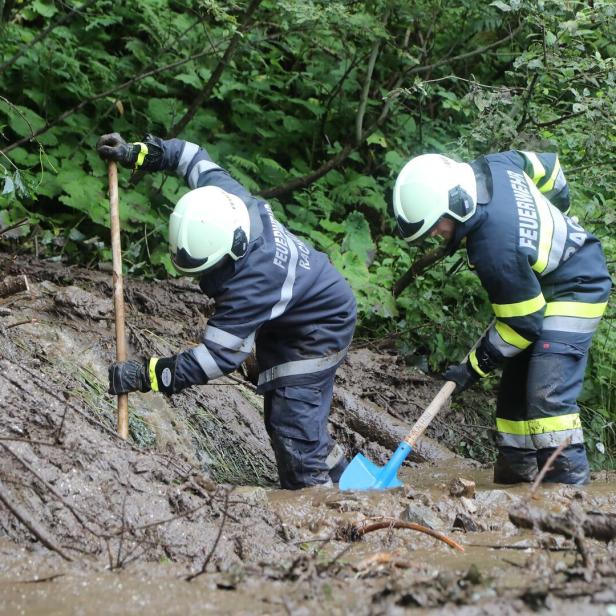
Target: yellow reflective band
535, 163
519, 309
473, 359
151, 368
510, 336
575, 309
547, 187
546, 232
539, 426
143, 152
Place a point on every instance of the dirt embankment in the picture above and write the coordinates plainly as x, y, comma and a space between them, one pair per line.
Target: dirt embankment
121, 526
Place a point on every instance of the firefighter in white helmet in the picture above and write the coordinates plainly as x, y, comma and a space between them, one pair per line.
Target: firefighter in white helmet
547, 281
271, 290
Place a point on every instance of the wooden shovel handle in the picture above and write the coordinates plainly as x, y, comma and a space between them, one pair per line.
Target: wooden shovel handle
118, 291
439, 400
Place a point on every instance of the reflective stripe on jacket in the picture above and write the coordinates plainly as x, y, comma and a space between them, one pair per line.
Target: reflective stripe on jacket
283, 294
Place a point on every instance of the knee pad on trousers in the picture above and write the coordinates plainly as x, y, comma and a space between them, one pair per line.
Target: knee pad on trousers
515, 465
571, 466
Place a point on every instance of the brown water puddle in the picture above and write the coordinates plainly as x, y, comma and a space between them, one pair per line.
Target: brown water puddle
496, 556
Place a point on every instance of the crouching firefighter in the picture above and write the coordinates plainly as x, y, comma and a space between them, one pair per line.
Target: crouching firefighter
547, 281
269, 288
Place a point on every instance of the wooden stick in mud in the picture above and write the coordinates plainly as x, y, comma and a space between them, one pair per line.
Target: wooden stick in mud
593, 524
371, 524
118, 291
34, 527
547, 466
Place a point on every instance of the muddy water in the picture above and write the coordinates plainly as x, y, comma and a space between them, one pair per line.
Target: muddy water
337, 577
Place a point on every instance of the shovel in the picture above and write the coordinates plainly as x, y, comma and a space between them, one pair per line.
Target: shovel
118, 291
362, 474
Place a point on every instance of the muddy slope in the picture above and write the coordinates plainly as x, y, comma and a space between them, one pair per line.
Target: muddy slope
119, 527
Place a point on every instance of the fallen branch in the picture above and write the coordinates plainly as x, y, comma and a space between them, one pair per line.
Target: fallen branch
34, 527
13, 284
596, 525
354, 532
368, 420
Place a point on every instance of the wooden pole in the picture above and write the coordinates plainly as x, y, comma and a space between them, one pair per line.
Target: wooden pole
118, 291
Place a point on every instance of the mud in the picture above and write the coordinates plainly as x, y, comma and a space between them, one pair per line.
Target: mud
185, 517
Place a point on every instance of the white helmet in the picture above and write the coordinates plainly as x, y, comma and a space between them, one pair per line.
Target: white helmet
428, 187
206, 225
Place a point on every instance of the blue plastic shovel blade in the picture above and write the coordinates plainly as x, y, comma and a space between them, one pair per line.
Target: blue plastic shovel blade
361, 474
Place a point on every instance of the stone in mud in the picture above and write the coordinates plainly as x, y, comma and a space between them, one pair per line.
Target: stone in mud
83, 303
422, 515
493, 498
466, 523
251, 495
462, 487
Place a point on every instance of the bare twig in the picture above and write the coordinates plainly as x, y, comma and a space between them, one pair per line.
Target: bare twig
215, 544
41, 35
33, 526
547, 466
19, 223
356, 531
216, 74
418, 267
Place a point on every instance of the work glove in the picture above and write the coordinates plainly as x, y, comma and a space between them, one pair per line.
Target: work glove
126, 376
155, 373
146, 155
462, 375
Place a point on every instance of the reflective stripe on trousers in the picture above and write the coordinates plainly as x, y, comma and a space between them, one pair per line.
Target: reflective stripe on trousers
537, 401
302, 366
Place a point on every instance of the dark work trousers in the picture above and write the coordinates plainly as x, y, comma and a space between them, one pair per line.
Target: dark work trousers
296, 421
537, 410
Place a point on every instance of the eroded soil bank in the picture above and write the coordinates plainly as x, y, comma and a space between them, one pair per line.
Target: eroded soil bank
185, 518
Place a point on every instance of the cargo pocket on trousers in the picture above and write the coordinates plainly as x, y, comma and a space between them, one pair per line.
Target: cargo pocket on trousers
295, 412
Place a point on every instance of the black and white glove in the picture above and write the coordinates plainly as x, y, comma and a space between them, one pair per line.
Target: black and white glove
462, 375
146, 154
155, 373
127, 376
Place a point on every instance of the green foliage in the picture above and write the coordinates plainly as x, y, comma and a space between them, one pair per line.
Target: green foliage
459, 77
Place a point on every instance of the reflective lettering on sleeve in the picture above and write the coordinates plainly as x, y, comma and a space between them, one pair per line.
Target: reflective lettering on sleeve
585, 310
286, 293
199, 168
473, 359
537, 169
546, 232
302, 366
188, 153
229, 341
578, 325
559, 238
207, 362
152, 373
549, 183
143, 152
506, 340
519, 309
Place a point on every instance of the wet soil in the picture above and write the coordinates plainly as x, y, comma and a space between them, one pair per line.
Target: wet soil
186, 518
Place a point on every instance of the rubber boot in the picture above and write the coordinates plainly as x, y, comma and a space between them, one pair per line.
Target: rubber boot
515, 465
336, 463
571, 466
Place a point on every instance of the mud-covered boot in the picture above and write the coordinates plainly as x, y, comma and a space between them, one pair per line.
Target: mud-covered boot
336, 463
515, 465
571, 466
